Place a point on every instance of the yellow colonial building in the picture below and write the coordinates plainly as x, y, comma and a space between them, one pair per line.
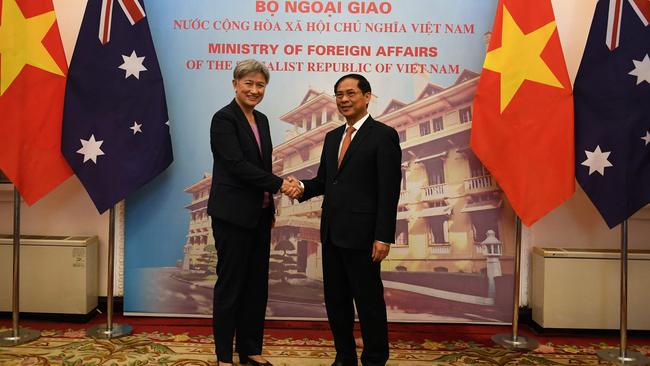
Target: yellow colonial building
199, 253
452, 216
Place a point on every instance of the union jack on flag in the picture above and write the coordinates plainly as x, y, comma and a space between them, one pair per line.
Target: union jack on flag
612, 110
131, 8
642, 9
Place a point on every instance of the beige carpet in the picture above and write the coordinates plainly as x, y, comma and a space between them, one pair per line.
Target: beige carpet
74, 348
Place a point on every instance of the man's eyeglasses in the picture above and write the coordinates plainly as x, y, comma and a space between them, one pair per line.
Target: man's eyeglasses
350, 94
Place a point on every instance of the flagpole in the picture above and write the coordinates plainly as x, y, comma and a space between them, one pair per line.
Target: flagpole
514, 340
17, 335
110, 330
621, 356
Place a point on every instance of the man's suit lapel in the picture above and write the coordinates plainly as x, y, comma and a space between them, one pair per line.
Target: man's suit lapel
333, 150
357, 140
243, 122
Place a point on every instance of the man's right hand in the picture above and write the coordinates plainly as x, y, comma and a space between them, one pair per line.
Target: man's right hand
291, 188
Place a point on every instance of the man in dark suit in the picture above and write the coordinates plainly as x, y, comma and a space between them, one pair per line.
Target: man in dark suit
242, 212
359, 176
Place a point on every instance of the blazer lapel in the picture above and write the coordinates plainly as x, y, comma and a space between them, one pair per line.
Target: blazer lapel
265, 140
241, 118
357, 140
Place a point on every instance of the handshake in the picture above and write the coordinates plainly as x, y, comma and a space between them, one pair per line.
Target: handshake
291, 188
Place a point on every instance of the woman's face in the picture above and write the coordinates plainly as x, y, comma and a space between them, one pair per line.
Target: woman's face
249, 89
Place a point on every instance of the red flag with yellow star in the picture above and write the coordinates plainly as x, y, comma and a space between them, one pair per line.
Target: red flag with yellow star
523, 110
32, 85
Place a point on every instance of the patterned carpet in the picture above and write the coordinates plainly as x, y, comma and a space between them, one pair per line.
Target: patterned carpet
71, 347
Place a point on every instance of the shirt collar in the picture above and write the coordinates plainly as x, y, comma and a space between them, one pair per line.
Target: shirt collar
357, 125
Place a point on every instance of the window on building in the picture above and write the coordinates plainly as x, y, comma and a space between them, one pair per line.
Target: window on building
438, 230
304, 153
435, 171
465, 114
425, 128
476, 169
437, 124
485, 220
402, 232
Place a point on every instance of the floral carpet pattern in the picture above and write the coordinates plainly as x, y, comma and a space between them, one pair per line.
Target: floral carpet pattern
72, 347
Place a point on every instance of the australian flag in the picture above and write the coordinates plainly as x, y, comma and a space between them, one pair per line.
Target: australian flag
115, 124
612, 110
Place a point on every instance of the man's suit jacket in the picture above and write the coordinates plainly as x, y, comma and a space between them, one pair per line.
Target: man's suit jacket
240, 174
360, 198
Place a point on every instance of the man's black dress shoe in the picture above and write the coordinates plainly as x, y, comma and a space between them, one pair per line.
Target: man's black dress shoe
342, 363
244, 360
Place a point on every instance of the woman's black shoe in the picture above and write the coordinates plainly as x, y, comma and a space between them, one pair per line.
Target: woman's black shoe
244, 360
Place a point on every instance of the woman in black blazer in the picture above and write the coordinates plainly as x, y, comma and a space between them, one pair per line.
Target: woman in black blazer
242, 212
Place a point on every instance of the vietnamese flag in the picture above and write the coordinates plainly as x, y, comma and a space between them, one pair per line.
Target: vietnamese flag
523, 110
33, 72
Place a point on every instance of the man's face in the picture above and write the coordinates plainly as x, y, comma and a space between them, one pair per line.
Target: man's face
351, 102
249, 90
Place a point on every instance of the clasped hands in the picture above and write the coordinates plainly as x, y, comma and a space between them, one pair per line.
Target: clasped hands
291, 187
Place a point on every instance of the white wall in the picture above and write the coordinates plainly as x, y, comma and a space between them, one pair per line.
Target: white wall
65, 211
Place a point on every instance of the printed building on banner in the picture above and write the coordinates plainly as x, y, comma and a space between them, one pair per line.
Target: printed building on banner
454, 230
199, 251
450, 207
448, 203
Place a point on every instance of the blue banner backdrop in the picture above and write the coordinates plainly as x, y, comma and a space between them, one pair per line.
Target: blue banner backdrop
452, 260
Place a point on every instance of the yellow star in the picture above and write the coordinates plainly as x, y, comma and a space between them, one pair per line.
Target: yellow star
519, 58
21, 43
